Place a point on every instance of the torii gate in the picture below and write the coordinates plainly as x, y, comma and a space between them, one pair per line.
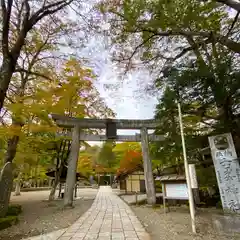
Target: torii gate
111, 126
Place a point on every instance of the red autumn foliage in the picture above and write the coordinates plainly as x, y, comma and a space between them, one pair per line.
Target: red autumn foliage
130, 161
101, 169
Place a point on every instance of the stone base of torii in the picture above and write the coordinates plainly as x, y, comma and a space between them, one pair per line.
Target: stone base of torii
111, 125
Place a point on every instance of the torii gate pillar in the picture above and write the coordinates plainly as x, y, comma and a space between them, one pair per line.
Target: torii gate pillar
147, 164
72, 166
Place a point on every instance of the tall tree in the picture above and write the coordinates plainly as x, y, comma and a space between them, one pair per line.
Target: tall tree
70, 92
21, 17
187, 35
106, 157
157, 32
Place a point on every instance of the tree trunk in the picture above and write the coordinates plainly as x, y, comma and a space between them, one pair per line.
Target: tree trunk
53, 190
18, 185
11, 149
35, 176
72, 167
6, 180
6, 72
9, 156
56, 180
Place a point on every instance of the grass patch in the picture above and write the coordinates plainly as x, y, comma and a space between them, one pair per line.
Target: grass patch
14, 210
139, 203
11, 216
157, 206
8, 221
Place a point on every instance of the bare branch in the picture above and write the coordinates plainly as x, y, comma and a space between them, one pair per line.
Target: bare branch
32, 73
136, 49
212, 37
27, 13
48, 10
231, 3
232, 25
6, 14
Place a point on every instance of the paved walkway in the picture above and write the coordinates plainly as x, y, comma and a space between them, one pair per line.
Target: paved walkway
109, 218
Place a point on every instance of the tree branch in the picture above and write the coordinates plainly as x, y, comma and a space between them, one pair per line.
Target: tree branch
212, 37
32, 73
232, 25
27, 14
47, 10
231, 3
136, 49
192, 48
6, 14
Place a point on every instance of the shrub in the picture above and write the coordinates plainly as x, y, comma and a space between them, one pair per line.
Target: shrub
14, 210
158, 186
219, 205
8, 221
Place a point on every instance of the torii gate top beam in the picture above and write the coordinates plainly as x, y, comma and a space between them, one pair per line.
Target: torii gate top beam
70, 122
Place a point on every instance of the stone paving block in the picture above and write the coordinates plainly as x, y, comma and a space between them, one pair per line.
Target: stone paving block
72, 230
117, 234
129, 234
68, 234
132, 238
83, 230
104, 234
91, 236
117, 226
79, 235
105, 229
139, 229
86, 225
94, 231
64, 238
128, 227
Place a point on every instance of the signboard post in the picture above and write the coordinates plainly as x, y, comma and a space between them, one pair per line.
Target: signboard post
190, 194
227, 170
194, 183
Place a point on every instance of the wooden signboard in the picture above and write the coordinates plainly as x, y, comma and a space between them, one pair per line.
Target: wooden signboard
176, 191
173, 190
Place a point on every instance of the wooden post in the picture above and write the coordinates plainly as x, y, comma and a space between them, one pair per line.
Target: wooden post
136, 197
60, 190
190, 193
164, 195
148, 174
75, 194
72, 167
194, 183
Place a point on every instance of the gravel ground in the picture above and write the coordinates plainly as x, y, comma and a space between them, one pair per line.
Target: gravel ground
175, 225
39, 216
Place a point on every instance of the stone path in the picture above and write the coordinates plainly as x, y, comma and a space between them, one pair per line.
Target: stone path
109, 218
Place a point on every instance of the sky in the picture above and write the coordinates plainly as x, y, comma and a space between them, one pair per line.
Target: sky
126, 97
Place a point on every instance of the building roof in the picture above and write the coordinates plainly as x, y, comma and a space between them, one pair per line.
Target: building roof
172, 177
123, 174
